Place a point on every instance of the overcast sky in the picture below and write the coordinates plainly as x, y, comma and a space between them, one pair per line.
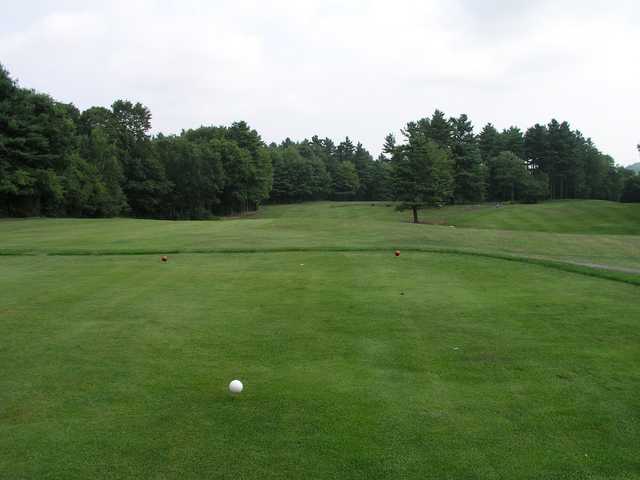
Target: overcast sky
336, 68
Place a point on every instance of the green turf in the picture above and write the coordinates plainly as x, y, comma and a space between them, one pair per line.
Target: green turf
566, 216
320, 226
356, 364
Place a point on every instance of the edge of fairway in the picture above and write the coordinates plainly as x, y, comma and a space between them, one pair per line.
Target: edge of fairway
601, 273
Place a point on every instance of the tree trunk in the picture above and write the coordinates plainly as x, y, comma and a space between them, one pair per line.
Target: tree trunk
415, 214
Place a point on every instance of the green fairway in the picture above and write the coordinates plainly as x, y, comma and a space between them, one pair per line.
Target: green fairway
356, 363
321, 226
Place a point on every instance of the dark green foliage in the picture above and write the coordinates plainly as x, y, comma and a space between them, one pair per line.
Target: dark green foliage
536, 147
347, 181
145, 181
535, 188
389, 144
196, 174
36, 138
437, 128
256, 182
469, 172
56, 160
236, 163
260, 179
508, 175
316, 169
296, 178
362, 160
615, 180
489, 143
511, 180
631, 192
440, 130
512, 140
422, 173
561, 144
102, 152
132, 122
574, 166
345, 151
226, 170
85, 195
376, 181
97, 117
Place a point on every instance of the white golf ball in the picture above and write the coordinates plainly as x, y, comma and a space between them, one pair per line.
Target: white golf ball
235, 386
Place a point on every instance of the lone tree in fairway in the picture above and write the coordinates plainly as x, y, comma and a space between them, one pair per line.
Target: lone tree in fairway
422, 174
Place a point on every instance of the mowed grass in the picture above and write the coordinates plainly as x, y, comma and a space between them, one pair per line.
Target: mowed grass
353, 226
355, 364
564, 216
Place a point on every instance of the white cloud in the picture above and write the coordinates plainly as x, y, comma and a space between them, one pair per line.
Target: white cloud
361, 68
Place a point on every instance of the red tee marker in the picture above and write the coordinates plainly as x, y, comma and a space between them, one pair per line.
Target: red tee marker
397, 253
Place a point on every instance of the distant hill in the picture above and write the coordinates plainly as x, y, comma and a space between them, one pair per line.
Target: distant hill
635, 167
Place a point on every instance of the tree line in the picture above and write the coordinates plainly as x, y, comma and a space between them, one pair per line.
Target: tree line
442, 161
58, 161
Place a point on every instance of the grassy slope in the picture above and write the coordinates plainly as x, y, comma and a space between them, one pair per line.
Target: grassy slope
577, 216
116, 367
326, 225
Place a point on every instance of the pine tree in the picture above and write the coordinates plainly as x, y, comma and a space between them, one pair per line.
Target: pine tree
439, 129
469, 172
512, 140
389, 145
347, 181
489, 143
422, 174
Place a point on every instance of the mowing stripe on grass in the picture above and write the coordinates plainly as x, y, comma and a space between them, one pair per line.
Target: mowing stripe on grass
606, 273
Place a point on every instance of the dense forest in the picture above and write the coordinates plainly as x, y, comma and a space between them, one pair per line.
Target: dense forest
58, 161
